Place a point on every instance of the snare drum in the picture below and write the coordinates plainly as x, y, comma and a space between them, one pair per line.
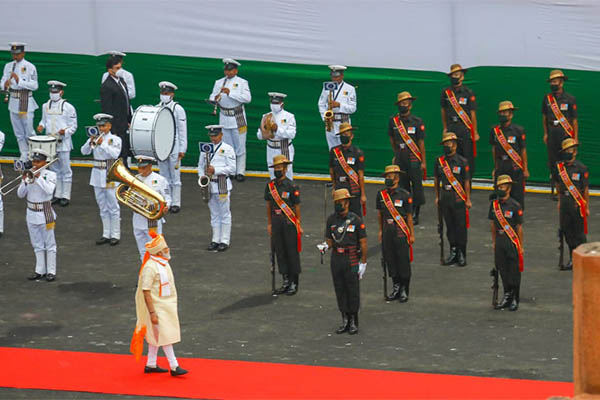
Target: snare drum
43, 144
152, 132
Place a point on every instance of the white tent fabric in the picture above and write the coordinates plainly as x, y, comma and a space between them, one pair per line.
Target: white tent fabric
407, 34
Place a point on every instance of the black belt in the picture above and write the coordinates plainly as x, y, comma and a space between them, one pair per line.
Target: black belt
342, 250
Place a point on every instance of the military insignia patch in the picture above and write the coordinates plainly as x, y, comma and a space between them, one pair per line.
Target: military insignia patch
398, 203
575, 177
512, 139
411, 129
564, 107
23, 70
456, 170
235, 85
508, 214
462, 100
350, 228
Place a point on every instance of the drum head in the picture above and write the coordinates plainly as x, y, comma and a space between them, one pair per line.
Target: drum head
47, 145
164, 134
152, 132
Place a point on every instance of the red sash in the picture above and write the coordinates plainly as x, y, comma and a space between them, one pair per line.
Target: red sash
507, 147
455, 184
409, 142
288, 213
463, 116
397, 218
564, 122
562, 171
348, 170
510, 232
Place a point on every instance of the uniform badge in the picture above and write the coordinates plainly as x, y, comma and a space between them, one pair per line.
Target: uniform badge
110, 141
155, 182
512, 139
345, 93
351, 160
340, 229
398, 203
235, 85
564, 107
456, 169
222, 151
283, 121
350, 228
285, 195
411, 129
23, 70
575, 177
462, 100
297, 193
342, 179
508, 214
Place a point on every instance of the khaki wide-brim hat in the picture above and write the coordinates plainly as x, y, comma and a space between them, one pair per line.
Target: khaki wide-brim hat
455, 68
568, 143
405, 96
448, 136
280, 159
502, 179
346, 127
557, 73
341, 194
392, 169
506, 105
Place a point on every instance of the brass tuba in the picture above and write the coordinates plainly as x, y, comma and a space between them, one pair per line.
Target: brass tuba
328, 116
135, 194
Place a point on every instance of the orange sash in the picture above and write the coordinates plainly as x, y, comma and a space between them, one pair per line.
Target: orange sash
347, 169
406, 137
455, 184
564, 122
397, 218
463, 116
510, 232
562, 171
507, 147
287, 211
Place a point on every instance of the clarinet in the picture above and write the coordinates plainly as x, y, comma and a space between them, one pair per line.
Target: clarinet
218, 97
7, 95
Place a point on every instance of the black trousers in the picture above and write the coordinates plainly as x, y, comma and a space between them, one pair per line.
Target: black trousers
412, 181
121, 131
285, 243
506, 259
465, 144
345, 283
571, 222
396, 253
355, 206
518, 187
553, 147
454, 213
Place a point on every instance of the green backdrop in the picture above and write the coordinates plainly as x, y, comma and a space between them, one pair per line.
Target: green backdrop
376, 93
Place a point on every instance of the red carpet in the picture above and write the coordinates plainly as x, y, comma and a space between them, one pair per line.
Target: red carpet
120, 374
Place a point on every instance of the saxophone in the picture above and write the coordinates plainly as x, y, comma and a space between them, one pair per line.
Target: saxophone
204, 181
328, 115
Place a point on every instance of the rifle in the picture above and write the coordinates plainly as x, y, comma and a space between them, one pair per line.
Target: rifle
441, 231
326, 194
561, 248
272, 256
494, 275
384, 266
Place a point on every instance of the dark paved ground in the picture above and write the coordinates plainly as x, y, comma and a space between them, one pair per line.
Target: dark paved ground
226, 310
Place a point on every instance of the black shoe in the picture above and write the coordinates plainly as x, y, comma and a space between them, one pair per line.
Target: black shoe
55, 200
114, 242
514, 305
452, 258
1, 233
352, 326
102, 240
175, 209
567, 267
213, 246
284, 286
395, 293
506, 300
64, 202
178, 371
35, 276
50, 277
403, 297
461, 259
345, 324
222, 247
292, 290
240, 178
149, 370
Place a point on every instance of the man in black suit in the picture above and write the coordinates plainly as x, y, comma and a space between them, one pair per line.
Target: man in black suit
114, 100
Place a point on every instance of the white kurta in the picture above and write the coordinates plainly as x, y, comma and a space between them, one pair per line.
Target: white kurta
286, 130
165, 306
346, 96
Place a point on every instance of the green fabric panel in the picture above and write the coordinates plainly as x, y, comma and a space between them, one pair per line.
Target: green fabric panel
376, 92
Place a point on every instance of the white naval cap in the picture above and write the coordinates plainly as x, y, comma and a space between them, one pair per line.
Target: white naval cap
145, 160
167, 86
117, 53
102, 118
56, 86
17, 47
335, 68
277, 96
214, 129
230, 63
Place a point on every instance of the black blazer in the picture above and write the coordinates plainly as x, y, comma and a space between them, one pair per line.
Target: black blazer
115, 101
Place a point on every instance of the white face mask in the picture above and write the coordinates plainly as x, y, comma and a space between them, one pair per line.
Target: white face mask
54, 96
275, 108
119, 73
165, 98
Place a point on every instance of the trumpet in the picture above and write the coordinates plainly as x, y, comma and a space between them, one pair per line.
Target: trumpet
135, 194
328, 115
94, 134
28, 176
94, 140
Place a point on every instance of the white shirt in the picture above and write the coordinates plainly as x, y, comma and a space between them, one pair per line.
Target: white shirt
286, 126
239, 94
39, 191
180, 126
57, 115
27, 80
2, 138
128, 77
346, 96
161, 185
223, 161
108, 150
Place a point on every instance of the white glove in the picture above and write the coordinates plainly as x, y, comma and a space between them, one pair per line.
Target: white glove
362, 267
323, 247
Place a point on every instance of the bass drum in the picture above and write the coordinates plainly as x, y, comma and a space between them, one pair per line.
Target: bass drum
152, 132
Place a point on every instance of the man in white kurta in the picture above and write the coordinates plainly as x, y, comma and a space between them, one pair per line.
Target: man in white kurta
122, 73
142, 225
156, 307
221, 164
41, 217
343, 102
2, 138
281, 133
106, 148
231, 93
170, 168
20, 79
59, 119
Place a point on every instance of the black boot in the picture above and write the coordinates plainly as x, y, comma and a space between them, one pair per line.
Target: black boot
514, 304
506, 300
293, 285
416, 215
461, 258
452, 258
352, 324
345, 324
285, 286
395, 293
403, 298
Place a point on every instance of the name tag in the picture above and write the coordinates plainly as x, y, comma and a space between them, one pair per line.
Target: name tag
512, 139
508, 214
389, 221
456, 170
351, 161
277, 211
350, 228
575, 177
564, 107
398, 203
555, 122
342, 179
411, 129
462, 100
402, 146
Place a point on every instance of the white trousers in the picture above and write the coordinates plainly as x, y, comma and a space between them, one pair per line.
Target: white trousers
142, 237
332, 139
167, 349
22, 125
237, 140
110, 212
1, 215
44, 247
272, 153
64, 175
173, 176
220, 217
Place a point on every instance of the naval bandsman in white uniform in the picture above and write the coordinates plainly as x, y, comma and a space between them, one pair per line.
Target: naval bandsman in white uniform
170, 168
59, 119
106, 148
231, 93
278, 128
2, 139
122, 73
20, 80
